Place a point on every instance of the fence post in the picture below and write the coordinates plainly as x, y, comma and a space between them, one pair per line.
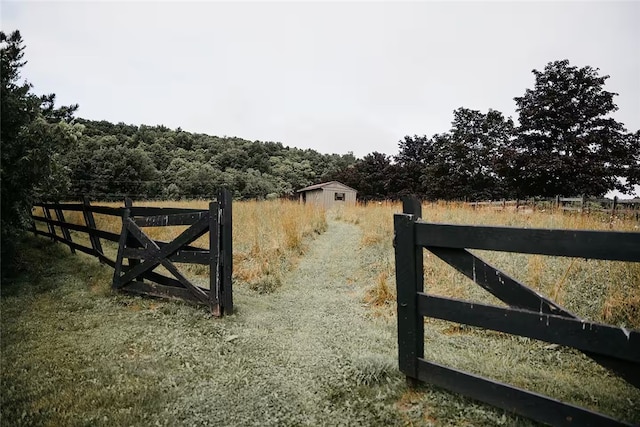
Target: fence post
583, 202
409, 281
65, 231
214, 260
131, 241
52, 230
613, 208
226, 249
91, 223
117, 271
33, 221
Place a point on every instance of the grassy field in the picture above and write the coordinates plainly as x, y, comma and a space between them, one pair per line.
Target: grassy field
601, 291
313, 339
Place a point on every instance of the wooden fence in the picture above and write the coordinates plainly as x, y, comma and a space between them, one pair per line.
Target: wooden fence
145, 254
529, 314
613, 207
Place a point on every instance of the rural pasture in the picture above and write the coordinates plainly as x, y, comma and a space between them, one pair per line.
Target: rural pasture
313, 339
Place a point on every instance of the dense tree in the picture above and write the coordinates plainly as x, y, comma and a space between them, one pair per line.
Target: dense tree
111, 161
468, 159
33, 135
632, 167
413, 174
567, 143
370, 176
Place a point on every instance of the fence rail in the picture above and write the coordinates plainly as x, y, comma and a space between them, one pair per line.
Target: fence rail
529, 314
582, 204
145, 254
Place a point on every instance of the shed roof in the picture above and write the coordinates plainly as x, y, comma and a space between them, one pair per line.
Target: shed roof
324, 184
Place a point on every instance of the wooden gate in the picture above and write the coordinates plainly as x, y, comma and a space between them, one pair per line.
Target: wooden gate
529, 314
145, 254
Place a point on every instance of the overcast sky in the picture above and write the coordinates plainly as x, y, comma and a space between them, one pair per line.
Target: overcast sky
335, 77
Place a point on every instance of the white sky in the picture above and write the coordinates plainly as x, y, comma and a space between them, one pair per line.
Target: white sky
335, 77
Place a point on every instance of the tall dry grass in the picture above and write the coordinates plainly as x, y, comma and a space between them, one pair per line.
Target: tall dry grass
268, 236
604, 291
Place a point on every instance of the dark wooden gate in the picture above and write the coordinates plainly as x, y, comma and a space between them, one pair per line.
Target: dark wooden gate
145, 254
529, 314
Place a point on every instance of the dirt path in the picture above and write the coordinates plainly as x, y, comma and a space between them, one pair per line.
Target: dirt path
322, 360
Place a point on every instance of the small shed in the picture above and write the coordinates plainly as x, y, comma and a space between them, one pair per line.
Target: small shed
328, 195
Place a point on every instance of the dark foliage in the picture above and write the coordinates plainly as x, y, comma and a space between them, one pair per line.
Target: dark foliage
112, 161
567, 143
33, 136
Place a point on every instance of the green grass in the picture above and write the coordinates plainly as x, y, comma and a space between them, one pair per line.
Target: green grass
310, 353
73, 353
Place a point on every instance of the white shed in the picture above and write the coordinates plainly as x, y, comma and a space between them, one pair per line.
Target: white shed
328, 194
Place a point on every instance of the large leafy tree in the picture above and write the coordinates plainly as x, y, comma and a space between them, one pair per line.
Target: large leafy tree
413, 171
462, 163
567, 142
467, 163
32, 137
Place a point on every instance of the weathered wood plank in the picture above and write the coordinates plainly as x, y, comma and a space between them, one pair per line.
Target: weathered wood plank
187, 257
409, 281
159, 256
160, 291
81, 228
47, 215
64, 206
187, 236
412, 206
106, 210
169, 220
499, 284
132, 241
117, 272
586, 336
142, 211
60, 239
226, 249
196, 291
64, 228
215, 294
163, 280
532, 405
90, 222
606, 245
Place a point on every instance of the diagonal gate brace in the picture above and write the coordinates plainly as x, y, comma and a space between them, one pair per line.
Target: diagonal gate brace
155, 256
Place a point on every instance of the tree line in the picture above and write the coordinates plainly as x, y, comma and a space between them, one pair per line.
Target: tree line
565, 142
110, 161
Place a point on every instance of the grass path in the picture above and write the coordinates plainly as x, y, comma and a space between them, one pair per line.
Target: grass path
320, 354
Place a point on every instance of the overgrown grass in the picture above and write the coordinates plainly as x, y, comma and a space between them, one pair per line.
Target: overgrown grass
600, 291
